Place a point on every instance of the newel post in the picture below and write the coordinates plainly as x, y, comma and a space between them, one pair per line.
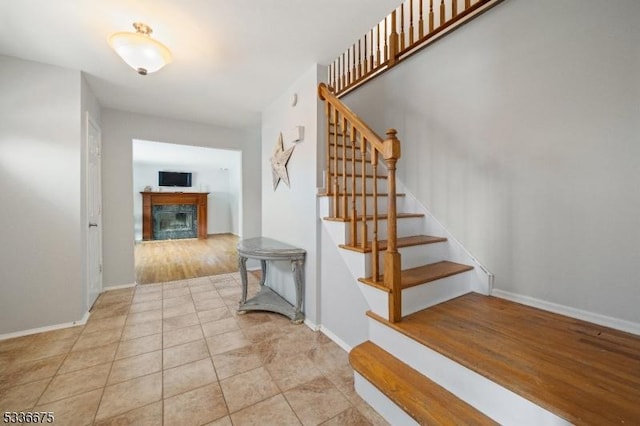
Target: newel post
392, 260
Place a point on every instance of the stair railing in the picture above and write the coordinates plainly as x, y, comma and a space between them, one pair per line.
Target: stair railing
410, 27
353, 152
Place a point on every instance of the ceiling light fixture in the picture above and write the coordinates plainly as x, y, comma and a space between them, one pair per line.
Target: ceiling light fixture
139, 50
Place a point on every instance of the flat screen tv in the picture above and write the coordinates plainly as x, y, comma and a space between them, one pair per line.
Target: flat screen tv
174, 179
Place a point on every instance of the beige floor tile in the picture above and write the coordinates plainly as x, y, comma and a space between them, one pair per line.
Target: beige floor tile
75, 383
78, 410
218, 327
21, 397
126, 396
176, 301
187, 377
226, 342
237, 361
293, 370
205, 295
78, 360
147, 297
179, 310
214, 314
195, 407
18, 373
135, 366
46, 349
342, 378
273, 411
182, 354
110, 311
99, 338
247, 388
104, 324
149, 415
146, 306
175, 292
207, 304
265, 331
146, 316
140, 330
370, 414
139, 346
223, 421
351, 416
60, 334
328, 357
251, 318
148, 288
201, 287
182, 335
316, 401
174, 323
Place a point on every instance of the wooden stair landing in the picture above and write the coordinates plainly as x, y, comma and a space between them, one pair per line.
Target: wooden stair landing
425, 401
422, 274
582, 372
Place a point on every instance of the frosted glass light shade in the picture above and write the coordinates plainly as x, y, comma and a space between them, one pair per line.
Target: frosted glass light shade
139, 50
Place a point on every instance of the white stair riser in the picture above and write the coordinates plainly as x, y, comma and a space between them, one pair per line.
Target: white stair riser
358, 168
377, 299
382, 184
412, 256
497, 402
383, 405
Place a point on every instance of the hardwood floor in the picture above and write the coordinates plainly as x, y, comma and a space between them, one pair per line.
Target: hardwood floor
171, 260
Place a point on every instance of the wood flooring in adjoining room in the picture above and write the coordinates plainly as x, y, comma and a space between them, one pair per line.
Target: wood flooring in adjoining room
172, 260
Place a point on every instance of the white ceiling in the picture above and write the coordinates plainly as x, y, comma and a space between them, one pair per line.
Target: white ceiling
185, 156
231, 58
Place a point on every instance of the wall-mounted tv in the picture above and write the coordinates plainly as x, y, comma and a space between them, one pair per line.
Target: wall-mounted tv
174, 179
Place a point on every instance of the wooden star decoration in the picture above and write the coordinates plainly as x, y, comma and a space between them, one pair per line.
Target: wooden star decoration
279, 162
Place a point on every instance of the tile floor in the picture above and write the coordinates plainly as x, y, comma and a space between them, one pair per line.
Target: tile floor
178, 354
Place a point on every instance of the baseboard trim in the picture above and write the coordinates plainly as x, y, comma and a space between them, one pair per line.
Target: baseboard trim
338, 341
312, 325
22, 333
117, 287
616, 323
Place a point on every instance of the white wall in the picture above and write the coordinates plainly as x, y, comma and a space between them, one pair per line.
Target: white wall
521, 133
119, 129
222, 183
40, 205
289, 214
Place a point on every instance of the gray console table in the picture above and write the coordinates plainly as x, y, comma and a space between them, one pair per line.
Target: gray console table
266, 249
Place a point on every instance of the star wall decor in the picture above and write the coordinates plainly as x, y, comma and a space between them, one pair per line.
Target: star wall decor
279, 162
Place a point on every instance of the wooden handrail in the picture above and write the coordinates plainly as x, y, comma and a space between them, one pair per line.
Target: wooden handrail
345, 130
396, 47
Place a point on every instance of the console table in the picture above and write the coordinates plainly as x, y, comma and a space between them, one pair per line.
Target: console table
266, 249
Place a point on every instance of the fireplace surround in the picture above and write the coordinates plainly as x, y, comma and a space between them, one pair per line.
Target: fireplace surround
174, 215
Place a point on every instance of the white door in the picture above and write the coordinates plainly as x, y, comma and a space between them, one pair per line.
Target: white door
94, 212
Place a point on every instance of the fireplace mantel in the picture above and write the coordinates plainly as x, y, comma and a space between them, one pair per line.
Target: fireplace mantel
150, 199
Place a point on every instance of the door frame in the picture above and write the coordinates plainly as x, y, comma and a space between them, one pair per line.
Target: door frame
92, 293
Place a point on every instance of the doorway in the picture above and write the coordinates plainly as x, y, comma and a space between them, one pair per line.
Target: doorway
94, 210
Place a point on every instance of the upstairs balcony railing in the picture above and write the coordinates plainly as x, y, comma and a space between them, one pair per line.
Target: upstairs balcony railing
410, 27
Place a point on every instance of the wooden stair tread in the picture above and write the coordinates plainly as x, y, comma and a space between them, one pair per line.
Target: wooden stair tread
370, 217
424, 400
414, 240
422, 274
583, 372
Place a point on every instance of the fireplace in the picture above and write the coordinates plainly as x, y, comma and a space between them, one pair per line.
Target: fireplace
174, 215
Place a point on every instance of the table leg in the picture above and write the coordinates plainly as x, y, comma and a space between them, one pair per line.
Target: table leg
298, 278
263, 265
242, 266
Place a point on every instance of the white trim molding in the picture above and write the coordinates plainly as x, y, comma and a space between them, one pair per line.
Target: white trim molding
338, 341
81, 321
616, 323
117, 287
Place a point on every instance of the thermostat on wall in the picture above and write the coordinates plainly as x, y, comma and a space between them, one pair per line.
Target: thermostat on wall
296, 134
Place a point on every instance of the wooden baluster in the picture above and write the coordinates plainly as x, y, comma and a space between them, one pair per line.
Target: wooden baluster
378, 45
340, 58
327, 176
365, 61
467, 4
420, 23
442, 13
393, 41
386, 47
371, 67
332, 74
354, 213
345, 211
430, 16
454, 8
359, 68
411, 38
392, 259
375, 261
353, 64
336, 187
402, 27
348, 70
363, 191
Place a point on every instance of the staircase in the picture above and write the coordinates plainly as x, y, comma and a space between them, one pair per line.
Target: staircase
440, 349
